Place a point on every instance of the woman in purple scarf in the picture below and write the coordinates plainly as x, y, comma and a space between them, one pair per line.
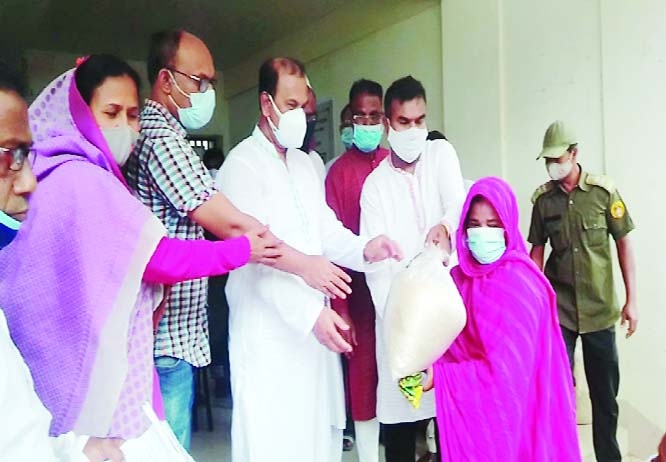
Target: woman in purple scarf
81, 281
504, 389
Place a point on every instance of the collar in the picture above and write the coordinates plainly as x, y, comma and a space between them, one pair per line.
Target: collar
582, 181
365, 156
152, 107
263, 141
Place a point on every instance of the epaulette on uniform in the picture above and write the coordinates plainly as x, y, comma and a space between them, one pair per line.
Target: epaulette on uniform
541, 190
602, 181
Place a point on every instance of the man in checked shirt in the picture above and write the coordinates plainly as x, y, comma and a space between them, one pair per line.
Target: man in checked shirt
169, 177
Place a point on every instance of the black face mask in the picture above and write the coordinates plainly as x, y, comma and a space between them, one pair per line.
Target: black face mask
309, 141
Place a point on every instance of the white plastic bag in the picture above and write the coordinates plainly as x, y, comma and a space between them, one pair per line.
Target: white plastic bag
424, 314
158, 443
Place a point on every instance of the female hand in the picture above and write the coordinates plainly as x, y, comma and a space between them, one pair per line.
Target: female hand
264, 246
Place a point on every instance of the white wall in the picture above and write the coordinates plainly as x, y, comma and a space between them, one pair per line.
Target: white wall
44, 66
412, 46
510, 69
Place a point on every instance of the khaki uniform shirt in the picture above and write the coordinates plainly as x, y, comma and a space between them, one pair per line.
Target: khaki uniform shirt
580, 268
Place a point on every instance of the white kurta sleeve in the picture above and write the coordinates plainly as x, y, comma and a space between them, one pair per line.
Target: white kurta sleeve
340, 245
24, 426
372, 224
451, 183
296, 303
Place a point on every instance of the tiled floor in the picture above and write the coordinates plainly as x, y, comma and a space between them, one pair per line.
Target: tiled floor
216, 446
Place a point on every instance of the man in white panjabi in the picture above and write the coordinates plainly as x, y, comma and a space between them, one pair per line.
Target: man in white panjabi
284, 340
415, 196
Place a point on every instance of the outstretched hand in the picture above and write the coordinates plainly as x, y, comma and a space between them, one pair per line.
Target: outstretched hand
382, 248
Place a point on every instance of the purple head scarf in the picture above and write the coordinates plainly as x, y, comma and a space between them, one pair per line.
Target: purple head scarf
61, 135
504, 389
71, 282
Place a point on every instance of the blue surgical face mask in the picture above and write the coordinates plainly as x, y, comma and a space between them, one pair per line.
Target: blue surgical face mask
201, 110
486, 244
8, 229
368, 137
347, 137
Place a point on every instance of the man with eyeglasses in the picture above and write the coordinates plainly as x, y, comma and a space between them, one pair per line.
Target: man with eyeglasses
25, 422
344, 183
170, 178
415, 195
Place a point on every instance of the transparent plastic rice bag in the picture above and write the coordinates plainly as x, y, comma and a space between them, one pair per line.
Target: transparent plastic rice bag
424, 314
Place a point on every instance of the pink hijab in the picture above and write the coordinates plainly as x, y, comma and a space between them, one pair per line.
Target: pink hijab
504, 389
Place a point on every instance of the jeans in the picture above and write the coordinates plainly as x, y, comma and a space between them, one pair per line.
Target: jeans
177, 386
603, 377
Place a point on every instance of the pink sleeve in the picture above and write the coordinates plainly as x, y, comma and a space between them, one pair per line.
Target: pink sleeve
178, 260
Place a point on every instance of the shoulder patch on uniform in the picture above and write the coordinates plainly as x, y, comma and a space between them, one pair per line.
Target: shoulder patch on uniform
541, 190
602, 181
618, 209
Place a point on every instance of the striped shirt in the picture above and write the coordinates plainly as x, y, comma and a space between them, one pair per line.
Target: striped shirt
170, 178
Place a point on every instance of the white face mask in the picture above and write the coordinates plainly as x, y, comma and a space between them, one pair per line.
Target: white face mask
291, 128
408, 144
558, 171
121, 141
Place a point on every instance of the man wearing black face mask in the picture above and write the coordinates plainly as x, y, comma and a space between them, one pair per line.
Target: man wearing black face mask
309, 141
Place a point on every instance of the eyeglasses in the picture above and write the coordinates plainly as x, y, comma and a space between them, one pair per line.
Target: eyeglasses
204, 83
19, 155
363, 119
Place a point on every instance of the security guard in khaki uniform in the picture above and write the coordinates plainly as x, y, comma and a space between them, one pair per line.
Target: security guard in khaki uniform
576, 212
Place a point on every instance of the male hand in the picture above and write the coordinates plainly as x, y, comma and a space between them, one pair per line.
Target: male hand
429, 383
630, 316
381, 248
349, 335
324, 276
439, 236
326, 331
264, 246
103, 449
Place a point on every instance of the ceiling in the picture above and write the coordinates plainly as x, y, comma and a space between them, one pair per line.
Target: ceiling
233, 29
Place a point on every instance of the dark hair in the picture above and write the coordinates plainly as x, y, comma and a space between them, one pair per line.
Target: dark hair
572, 147
475, 200
97, 68
213, 158
11, 80
404, 89
163, 48
345, 110
365, 87
270, 71
436, 135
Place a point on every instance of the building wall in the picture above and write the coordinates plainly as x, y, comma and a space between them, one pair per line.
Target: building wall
509, 70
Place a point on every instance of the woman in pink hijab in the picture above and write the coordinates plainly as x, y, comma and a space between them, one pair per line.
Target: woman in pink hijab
504, 389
